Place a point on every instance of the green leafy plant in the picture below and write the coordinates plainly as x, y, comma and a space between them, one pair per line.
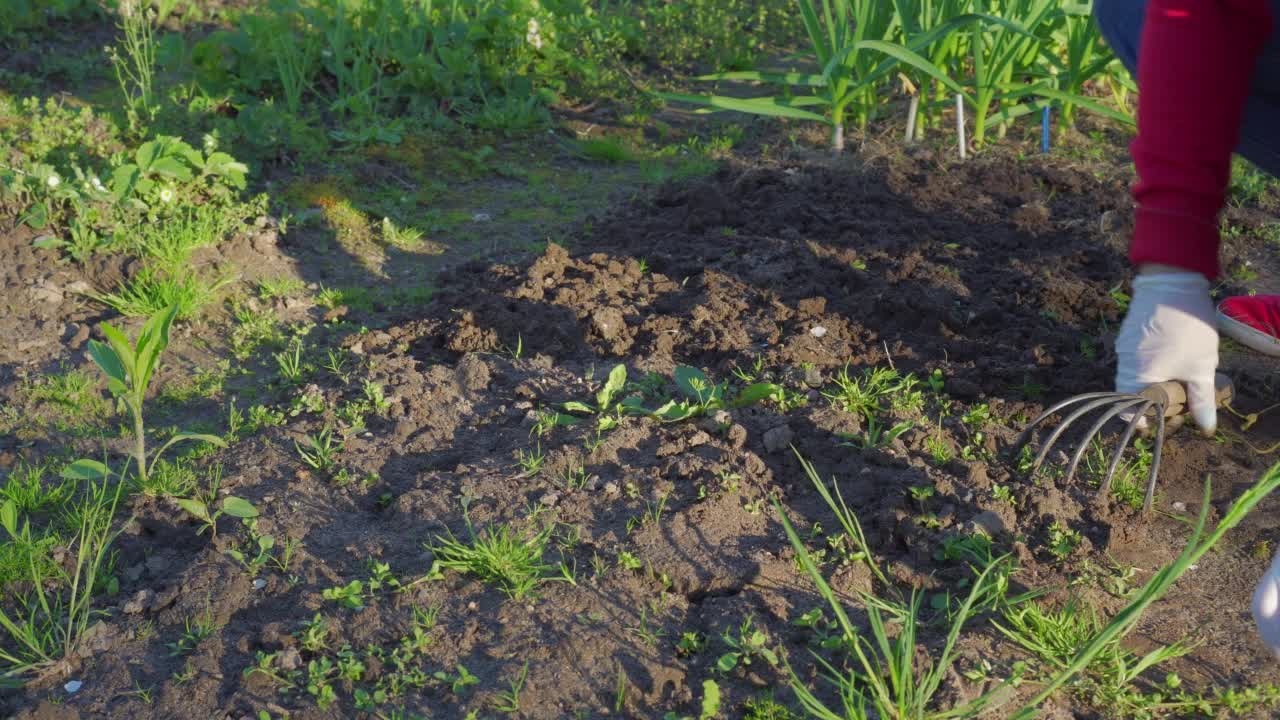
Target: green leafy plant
609, 399
134, 61
1159, 584
49, 621
129, 370
889, 677
202, 509
321, 450
746, 646
498, 555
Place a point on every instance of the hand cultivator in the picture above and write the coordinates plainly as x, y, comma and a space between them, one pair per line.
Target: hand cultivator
1166, 400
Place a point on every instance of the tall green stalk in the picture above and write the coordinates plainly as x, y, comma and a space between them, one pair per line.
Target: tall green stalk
1160, 583
135, 62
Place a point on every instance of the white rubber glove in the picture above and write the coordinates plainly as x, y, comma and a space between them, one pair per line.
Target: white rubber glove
1266, 606
1169, 334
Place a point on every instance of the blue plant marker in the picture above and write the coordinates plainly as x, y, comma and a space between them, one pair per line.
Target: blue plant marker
1044, 130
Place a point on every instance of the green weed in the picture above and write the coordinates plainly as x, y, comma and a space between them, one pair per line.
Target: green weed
497, 555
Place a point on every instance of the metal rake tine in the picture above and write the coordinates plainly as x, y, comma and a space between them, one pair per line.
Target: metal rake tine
1121, 406
1026, 433
1106, 398
1155, 463
1124, 442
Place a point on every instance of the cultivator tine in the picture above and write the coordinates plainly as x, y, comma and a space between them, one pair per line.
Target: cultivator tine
1155, 463
1129, 429
1092, 432
1116, 404
1168, 397
1091, 401
1026, 434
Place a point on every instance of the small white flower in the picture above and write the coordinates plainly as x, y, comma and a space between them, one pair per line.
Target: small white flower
532, 36
53, 181
210, 143
166, 195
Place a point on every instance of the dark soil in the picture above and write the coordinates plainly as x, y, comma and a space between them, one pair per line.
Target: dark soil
996, 272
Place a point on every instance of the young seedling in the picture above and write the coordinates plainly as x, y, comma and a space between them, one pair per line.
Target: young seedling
1063, 541
232, 506
129, 369
747, 646
531, 461
876, 435
609, 400
195, 631
321, 450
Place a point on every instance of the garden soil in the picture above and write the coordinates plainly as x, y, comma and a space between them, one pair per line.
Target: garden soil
998, 272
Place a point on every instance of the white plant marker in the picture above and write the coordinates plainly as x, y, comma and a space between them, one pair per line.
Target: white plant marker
960, 126
911, 118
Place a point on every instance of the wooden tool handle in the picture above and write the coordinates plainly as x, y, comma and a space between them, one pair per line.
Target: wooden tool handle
1173, 394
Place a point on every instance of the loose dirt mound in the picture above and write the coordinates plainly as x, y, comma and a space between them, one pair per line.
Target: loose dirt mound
996, 273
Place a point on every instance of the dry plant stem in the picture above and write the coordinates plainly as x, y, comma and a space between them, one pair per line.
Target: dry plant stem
960, 126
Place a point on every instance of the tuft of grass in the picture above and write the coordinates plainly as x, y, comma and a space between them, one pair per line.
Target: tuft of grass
153, 290
1158, 586
603, 149
890, 679
497, 555
169, 244
865, 394
27, 487
47, 622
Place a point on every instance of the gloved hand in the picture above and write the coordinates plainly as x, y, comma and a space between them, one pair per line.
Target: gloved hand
1170, 334
1266, 606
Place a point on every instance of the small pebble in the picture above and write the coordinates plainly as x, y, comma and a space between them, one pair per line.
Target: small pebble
817, 331
1180, 506
482, 217
259, 584
73, 686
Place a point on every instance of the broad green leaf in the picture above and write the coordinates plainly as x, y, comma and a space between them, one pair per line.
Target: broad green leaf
152, 341
633, 405
195, 507
238, 507
673, 411
124, 351
710, 700
695, 385
223, 165
578, 407
607, 423
777, 78
147, 153
616, 382
266, 542
35, 217
173, 168
767, 106
727, 662
124, 180
915, 60
48, 242
9, 518
753, 394
108, 361
86, 470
